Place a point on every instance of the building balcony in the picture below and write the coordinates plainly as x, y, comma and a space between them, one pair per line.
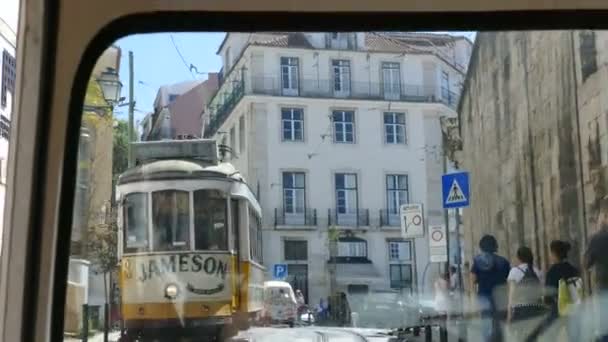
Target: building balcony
389, 218
306, 218
319, 88
231, 93
224, 104
348, 217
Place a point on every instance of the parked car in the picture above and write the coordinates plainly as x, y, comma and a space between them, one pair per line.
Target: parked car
384, 309
280, 306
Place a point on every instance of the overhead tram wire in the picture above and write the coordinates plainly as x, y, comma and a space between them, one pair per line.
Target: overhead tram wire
186, 64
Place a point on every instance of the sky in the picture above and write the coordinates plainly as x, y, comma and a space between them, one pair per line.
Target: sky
157, 62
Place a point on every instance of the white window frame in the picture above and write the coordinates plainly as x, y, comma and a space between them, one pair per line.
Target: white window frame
292, 124
341, 73
342, 125
400, 261
391, 80
397, 192
394, 126
348, 207
294, 190
291, 68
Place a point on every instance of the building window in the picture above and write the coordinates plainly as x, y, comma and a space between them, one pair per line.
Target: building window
255, 236
445, 86
242, 134
346, 193
394, 128
289, 76
344, 126
9, 73
228, 59
400, 276
352, 248
292, 120
391, 81
588, 53
341, 79
172, 98
400, 264
171, 220
397, 192
5, 127
295, 250
399, 251
294, 192
233, 142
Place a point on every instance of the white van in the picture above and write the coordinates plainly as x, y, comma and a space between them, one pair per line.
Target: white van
280, 306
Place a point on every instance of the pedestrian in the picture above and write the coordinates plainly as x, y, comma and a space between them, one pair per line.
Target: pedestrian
442, 294
344, 310
526, 311
454, 279
596, 259
488, 277
301, 303
560, 271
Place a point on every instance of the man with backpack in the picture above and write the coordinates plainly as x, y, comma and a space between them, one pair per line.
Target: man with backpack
488, 277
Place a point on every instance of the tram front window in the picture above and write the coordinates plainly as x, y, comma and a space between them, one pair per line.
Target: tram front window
210, 231
171, 220
136, 217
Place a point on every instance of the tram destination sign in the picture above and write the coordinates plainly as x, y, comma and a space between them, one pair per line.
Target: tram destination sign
147, 268
204, 149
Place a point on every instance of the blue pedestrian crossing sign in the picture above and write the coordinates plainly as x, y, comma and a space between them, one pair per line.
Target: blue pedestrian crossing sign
455, 189
279, 271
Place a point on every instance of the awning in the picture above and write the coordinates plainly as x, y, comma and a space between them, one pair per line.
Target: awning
352, 273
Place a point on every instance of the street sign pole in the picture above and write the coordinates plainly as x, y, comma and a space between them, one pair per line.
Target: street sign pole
456, 195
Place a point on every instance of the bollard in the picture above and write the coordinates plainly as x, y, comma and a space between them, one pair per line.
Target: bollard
106, 321
443, 331
85, 322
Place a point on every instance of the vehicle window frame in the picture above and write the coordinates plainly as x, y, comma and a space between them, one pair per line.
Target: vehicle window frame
225, 200
173, 246
147, 245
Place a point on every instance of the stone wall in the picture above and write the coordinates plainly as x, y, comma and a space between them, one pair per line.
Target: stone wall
534, 124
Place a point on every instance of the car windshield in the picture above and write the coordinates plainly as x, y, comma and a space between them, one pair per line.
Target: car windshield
404, 184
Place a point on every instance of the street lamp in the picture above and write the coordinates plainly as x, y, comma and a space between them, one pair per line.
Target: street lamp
110, 89
110, 86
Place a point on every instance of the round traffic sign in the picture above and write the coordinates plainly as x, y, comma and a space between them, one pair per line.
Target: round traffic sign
437, 235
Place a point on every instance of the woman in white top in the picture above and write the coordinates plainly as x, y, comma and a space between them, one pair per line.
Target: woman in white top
525, 294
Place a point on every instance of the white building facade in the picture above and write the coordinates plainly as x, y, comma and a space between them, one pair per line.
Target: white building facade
9, 12
336, 131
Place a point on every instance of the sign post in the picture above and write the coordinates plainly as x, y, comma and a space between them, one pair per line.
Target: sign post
456, 195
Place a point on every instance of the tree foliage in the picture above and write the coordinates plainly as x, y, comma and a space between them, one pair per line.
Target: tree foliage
103, 244
120, 153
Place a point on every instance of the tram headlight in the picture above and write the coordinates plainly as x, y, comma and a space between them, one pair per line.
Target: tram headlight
171, 291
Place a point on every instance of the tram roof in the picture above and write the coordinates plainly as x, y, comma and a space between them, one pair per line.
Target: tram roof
179, 169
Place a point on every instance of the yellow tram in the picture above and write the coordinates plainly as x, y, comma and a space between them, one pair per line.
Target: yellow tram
189, 243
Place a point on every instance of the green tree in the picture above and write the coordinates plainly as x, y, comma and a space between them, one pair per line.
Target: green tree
120, 153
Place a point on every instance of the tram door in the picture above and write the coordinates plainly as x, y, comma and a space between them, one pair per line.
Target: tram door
236, 223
